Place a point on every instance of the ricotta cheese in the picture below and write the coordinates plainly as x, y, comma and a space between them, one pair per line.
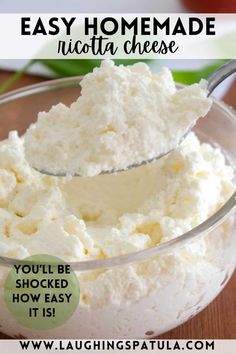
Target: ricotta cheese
125, 115
95, 218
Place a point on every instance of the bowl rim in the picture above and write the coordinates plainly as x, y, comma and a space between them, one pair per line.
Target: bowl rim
167, 246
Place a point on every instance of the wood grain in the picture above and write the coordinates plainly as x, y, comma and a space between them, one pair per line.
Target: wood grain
218, 320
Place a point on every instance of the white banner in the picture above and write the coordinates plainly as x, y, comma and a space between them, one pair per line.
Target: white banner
118, 346
123, 36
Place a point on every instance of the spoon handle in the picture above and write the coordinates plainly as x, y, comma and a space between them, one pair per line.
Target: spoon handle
220, 75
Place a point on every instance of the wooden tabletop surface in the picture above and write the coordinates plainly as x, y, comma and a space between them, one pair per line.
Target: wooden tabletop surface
218, 320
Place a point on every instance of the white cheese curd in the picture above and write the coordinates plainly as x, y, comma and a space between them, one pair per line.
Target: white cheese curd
104, 216
125, 115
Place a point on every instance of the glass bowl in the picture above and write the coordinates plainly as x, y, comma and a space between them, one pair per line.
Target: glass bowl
177, 289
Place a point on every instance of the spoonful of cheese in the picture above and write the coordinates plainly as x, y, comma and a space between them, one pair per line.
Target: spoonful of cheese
125, 117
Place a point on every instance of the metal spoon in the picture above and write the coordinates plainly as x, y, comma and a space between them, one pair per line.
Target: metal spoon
213, 81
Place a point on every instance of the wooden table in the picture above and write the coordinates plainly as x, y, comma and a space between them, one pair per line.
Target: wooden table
218, 320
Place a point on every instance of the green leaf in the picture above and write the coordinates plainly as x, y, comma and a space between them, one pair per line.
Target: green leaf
15, 77
189, 77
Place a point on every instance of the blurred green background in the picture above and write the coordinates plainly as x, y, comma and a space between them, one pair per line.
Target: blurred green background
73, 67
